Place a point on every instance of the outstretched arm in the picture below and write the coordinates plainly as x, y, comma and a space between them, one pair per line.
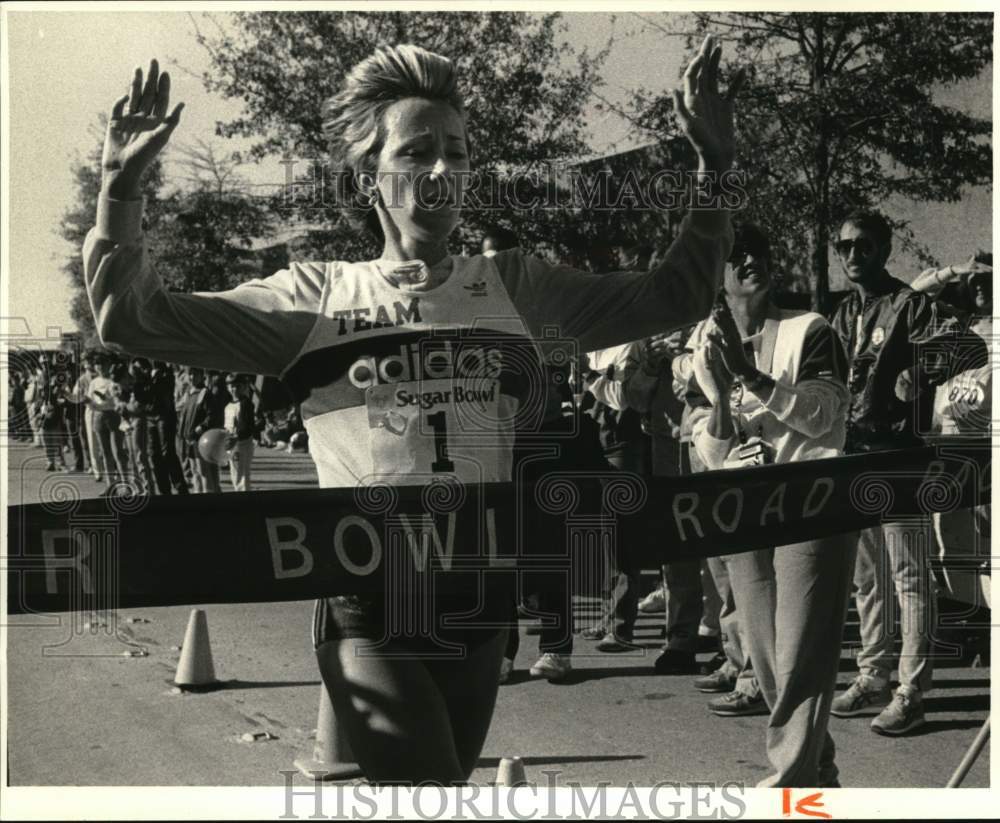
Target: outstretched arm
258, 327
933, 281
607, 310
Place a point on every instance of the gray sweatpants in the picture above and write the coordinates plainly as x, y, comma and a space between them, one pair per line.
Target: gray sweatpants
793, 604
735, 643
893, 558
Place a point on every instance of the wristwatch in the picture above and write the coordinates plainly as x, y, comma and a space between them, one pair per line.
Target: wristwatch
753, 380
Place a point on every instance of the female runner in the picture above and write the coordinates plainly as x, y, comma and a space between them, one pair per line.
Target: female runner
408, 367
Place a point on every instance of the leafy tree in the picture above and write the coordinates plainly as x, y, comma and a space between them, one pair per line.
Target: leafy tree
525, 107
846, 110
204, 166
201, 237
205, 241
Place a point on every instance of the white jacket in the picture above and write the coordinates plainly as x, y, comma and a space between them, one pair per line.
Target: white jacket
802, 418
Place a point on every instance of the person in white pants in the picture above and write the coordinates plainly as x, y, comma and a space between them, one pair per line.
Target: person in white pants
81, 390
239, 422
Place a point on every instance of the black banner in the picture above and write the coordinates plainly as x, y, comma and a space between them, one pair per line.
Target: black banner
122, 552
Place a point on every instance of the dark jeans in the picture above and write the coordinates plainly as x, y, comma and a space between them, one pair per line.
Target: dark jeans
112, 444
546, 534
633, 457
162, 433
75, 433
52, 440
138, 441
19, 426
682, 578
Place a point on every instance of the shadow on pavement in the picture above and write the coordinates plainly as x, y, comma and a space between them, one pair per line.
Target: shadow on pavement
935, 726
230, 685
494, 762
958, 703
961, 684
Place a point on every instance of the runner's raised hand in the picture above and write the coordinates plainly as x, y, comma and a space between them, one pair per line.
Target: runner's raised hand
706, 115
137, 134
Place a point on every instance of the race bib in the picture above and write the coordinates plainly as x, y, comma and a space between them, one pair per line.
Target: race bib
455, 426
965, 396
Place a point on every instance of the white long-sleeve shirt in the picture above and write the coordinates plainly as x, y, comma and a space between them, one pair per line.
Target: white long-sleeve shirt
397, 383
612, 364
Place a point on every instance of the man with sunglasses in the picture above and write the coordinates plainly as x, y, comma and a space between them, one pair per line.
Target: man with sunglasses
883, 325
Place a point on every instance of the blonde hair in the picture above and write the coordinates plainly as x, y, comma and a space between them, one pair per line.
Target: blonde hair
353, 118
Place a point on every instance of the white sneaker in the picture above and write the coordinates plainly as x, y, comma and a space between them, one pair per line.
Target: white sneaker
552, 666
506, 670
655, 601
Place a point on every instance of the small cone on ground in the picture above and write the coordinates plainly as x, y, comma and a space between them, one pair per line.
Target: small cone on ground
511, 772
195, 669
331, 758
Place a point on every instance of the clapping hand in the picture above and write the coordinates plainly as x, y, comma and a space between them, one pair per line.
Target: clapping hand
134, 137
724, 334
711, 373
661, 349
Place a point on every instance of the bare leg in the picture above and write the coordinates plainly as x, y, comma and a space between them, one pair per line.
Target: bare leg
412, 720
458, 681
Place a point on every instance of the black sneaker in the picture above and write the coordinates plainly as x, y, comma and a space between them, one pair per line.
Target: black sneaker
674, 661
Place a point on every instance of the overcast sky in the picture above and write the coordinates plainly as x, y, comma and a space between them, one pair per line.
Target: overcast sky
66, 66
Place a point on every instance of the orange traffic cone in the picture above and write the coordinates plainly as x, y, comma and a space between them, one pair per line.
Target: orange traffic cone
195, 669
511, 772
332, 758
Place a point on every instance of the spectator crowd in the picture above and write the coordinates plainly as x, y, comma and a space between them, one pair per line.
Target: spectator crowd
135, 423
894, 366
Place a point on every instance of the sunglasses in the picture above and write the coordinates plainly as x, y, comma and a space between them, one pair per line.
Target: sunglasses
743, 251
862, 245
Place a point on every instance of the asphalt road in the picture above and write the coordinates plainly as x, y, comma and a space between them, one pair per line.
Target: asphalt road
81, 713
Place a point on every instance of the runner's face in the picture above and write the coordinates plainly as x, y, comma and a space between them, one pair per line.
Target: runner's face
421, 168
